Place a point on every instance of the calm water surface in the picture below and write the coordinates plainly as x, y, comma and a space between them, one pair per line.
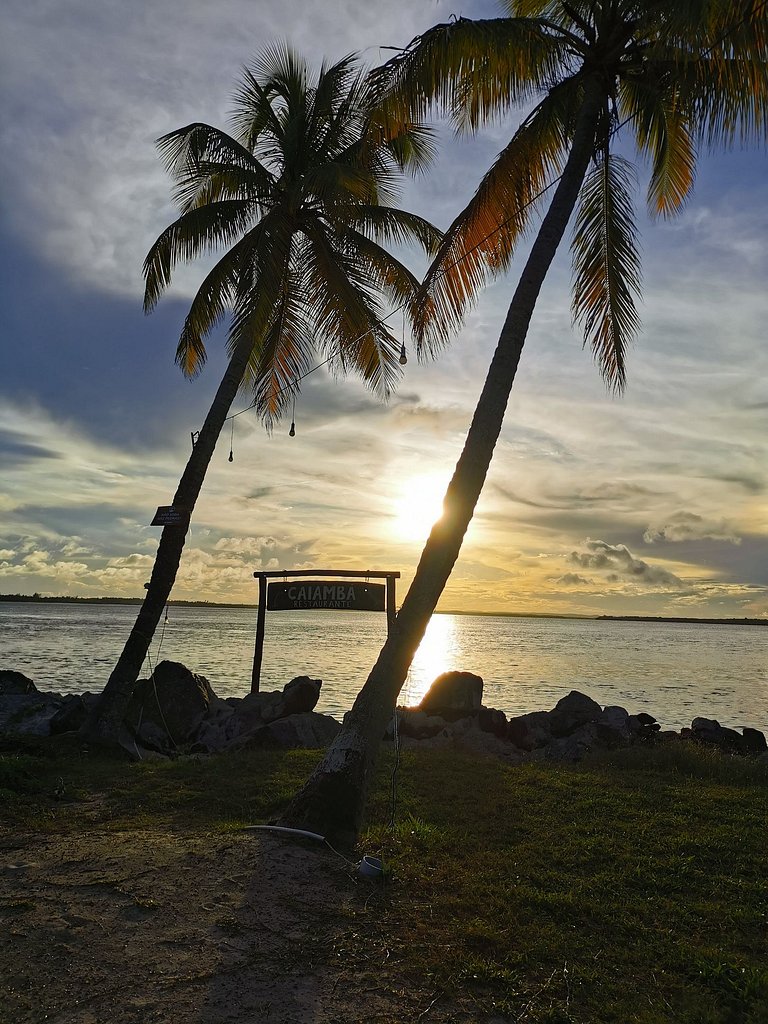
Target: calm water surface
673, 670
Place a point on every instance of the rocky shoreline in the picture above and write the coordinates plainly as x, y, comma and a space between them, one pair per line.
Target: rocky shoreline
176, 712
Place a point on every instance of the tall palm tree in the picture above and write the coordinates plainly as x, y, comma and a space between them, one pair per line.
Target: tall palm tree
300, 195
672, 74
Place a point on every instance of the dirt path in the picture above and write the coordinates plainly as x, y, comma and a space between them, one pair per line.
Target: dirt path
158, 926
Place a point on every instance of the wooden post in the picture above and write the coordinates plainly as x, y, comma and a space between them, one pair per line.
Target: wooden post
391, 606
258, 650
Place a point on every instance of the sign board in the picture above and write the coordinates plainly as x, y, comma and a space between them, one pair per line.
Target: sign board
170, 515
314, 594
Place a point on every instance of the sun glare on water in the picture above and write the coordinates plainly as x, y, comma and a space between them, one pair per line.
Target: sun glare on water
419, 507
437, 653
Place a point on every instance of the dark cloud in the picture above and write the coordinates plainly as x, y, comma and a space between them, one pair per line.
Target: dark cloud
95, 361
620, 563
572, 579
683, 526
751, 484
257, 494
608, 493
16, 449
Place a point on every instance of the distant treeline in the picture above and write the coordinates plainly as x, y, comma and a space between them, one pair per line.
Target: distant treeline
39, 599
669, 618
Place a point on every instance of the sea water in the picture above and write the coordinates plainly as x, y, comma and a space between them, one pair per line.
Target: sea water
675, 671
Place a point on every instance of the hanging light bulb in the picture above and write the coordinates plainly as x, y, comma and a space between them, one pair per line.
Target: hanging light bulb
292, 431
232, 441
231, 456
403, 356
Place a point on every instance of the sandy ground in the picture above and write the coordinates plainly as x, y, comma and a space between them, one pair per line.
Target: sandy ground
158, 926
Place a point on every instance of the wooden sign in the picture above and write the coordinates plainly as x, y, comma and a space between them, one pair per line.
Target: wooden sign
308, 595
170, 515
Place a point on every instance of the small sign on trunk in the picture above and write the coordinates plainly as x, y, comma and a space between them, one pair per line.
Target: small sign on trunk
315, 594
171, 515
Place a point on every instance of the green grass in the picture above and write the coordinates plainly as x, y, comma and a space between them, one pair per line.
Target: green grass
630, 889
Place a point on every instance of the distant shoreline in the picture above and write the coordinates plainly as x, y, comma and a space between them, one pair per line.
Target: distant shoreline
38, 599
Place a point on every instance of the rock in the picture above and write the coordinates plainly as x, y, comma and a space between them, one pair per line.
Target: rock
29, 714
753, 741
710, 732
454, 695
472, 738
309, 730
301, 694
642, 726
531, 731
570, 712
174, 699
71, 714
15, 683
416, 724
493, 721
571, 748
616, 718
645, 719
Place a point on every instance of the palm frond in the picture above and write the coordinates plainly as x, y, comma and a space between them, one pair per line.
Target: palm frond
194, 154
661, 126
481, 240
195, 232
285, 353
389, 225
474, 70
606, 264
347, 315
215, 296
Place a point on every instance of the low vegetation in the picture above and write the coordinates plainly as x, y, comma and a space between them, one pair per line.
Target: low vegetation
630, 888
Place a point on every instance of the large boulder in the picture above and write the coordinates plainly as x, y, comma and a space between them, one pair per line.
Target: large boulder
72, 713
571, 748
454, 695
710, 732
573, 711
29, 714
15, 683
753, 741
309, 730
531, 731
301, 695
416, 724
492, 720
174, 700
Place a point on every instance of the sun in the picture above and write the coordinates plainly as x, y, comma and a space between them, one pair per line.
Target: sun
418, 507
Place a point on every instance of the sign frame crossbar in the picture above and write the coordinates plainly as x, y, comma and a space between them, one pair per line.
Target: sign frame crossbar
262, 577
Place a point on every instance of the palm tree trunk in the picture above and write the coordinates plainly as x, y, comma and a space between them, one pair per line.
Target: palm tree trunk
103, 725
333, 799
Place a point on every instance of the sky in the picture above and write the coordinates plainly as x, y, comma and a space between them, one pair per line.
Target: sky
652, 503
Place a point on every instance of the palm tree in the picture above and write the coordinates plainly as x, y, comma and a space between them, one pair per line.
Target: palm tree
675, 74
301, 197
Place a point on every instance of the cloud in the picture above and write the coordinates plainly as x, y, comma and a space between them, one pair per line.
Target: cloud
684, 526
17, 448
621, 565
571, 579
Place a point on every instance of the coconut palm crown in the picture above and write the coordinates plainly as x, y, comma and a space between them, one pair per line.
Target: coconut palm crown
300, 197
301, 194
679, 75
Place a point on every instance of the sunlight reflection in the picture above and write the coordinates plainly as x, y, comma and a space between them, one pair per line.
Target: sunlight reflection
437, 653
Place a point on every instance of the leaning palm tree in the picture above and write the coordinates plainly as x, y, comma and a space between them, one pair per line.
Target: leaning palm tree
301, 194
671, 74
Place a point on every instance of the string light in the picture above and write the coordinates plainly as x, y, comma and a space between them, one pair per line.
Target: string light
232, 442
292, 431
